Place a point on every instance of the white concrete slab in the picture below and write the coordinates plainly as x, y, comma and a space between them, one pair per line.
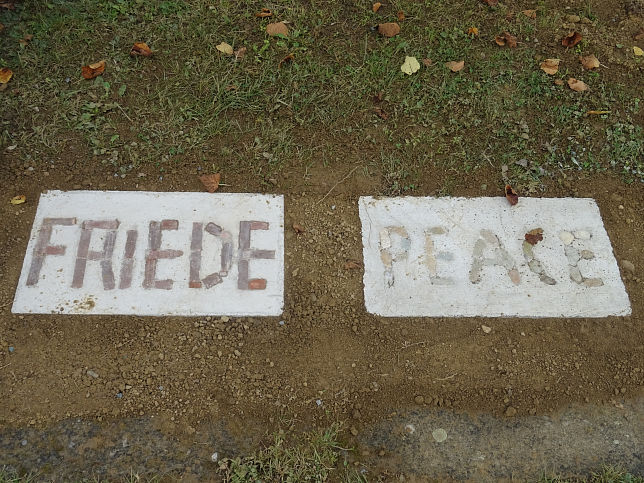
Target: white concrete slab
448, 257
97, 252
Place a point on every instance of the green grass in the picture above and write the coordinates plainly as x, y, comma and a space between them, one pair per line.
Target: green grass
607, 474
191, 102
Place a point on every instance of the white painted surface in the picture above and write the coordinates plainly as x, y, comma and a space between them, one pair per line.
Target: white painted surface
53, 291
422, 281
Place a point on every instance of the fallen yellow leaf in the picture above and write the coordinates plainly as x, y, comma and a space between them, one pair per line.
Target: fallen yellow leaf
5, 75
376, 6
225, 48
597, 113
637, 51
410, 65
472, 31
18, 200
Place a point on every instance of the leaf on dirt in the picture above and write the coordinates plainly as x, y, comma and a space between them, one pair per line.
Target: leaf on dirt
511, 195
210, 181
288, 58
534, 236
376, 6
381, 114
597, 113
93, 70
240, 53
506, 39
352, 265
639, 35
18, 200
491, 3
455, 66
7, 5
589, 62
427, 62
298, 228
401, 15
5, 75
559, 82
389, 29
225, 48
472, 32
550, 66
140, 48
278, 28
25, 40
572, 39
410, 65
266, 12
637, 51
577, 85
530, 13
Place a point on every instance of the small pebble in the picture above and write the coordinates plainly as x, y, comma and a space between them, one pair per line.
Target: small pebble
93, 374
419, 399
439, 435
566, 237
214, 457
410, 429
582, 235
626, 265
23, 442
510, 412
486, 329
11, 349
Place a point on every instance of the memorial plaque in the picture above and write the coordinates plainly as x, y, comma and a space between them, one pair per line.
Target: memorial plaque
96, 252
449, 257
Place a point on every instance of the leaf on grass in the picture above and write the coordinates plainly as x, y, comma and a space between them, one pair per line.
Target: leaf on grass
410, 65
455, 66
1, 27
240, 53
550, 66
572, 39
140, 48
597, 113
472, 32
534, 236
18, 200
506, 39
376, 6
491, 3
5, 75
559, 82
530, 13
401, 15
298, 228
225, 48
7, 5
511, 195
266, 12
381, 114
352, 265
378, 97
589, 62
389, 29
25, 40
639, 35
286, 59
277, 28
577, 85
427, 62
637, 51
93, 70
210, 181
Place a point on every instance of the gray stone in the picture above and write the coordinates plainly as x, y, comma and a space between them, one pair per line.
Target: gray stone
593, 282
575, 275
566, 237
572, 254
582, 235
587, 255
628, 266
535, 266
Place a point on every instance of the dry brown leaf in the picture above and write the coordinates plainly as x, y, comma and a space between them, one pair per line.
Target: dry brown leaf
530, 13
210, 181
378, 97
264, 13
550, 66
589, 62
278, 28
559, 82
240, 53
1, 27
25, 40
639, 35
506, 39
18, 200
472, 31
572, 39
7, 5
455, 66
93, 70
491, 3
298, 228
376, 6
534, 236
511, 195
5, 75
401, 15
286, 59
427, 62
389, 29
352, 265
577, 85
597, 113
140, 48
